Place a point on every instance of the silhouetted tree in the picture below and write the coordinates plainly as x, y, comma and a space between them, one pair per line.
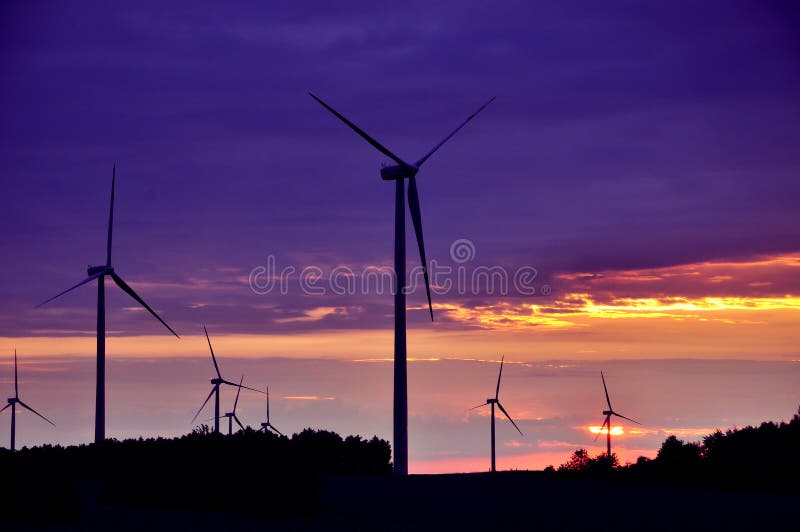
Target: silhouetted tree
577, 462
676, 453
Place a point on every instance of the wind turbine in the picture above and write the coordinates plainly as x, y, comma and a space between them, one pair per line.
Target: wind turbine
13, 401
399, 173
99, 273
496, 401
216, 382
232, 415
267, 425
608, 413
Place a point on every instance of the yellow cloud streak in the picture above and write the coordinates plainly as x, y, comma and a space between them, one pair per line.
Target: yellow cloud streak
568, 311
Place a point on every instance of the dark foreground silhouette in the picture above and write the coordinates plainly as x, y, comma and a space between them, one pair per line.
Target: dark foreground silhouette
742, 479
256, 473
763, 458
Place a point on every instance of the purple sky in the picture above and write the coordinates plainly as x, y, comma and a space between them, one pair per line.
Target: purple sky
622, 137
629, 144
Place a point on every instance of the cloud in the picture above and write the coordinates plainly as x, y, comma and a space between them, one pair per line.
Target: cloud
307, 398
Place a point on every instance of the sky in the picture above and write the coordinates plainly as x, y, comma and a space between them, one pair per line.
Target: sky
628, 203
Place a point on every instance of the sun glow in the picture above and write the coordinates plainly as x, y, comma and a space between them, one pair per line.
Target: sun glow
615, 431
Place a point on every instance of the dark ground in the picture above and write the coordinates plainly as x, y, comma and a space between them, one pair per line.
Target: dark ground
504, 501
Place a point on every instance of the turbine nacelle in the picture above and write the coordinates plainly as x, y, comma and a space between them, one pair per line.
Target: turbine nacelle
94, 270
607, 412
217, 380
397, 171
12, 400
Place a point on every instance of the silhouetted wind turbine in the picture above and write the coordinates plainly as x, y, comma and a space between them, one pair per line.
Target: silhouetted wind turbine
267, 425
216, 382
13, 401
496, 401
399, 173
232, 415
608, 413
99, 273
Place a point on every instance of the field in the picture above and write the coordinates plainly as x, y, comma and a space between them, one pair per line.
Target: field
503, 501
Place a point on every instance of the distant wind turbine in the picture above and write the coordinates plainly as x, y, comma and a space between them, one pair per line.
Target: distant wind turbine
399, 173
216, 382
13, 401
496, 401
607, 422
232, 415
99, 273
266, 426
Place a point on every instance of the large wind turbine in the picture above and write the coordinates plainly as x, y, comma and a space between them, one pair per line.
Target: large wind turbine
608, 413
13, 401
496, 401
99, 273
399, 173
216, 382
266, 426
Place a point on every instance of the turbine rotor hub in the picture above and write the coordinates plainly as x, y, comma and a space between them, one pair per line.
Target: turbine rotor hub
394, 172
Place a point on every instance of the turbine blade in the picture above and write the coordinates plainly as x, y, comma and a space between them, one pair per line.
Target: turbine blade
236, 419
377, 145
238, 391
273, 428
497, 391
474, 407
416, 217
204, 403
111, 215
90, 278
601, 428
229, 383
122, 284
629, 419
267, 404
16, 381
608, 400
35, 412
213, 358
503, 410
1, 409
448, 137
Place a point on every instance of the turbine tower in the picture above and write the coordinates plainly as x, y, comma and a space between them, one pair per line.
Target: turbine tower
496, 401
232, 415
399, 173
216, 382
266, 426
100, 273
608, 413
13, 402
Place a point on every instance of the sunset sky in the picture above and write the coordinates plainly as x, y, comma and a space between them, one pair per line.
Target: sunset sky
638, 176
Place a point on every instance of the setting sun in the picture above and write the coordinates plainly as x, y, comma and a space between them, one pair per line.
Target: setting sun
615, 431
